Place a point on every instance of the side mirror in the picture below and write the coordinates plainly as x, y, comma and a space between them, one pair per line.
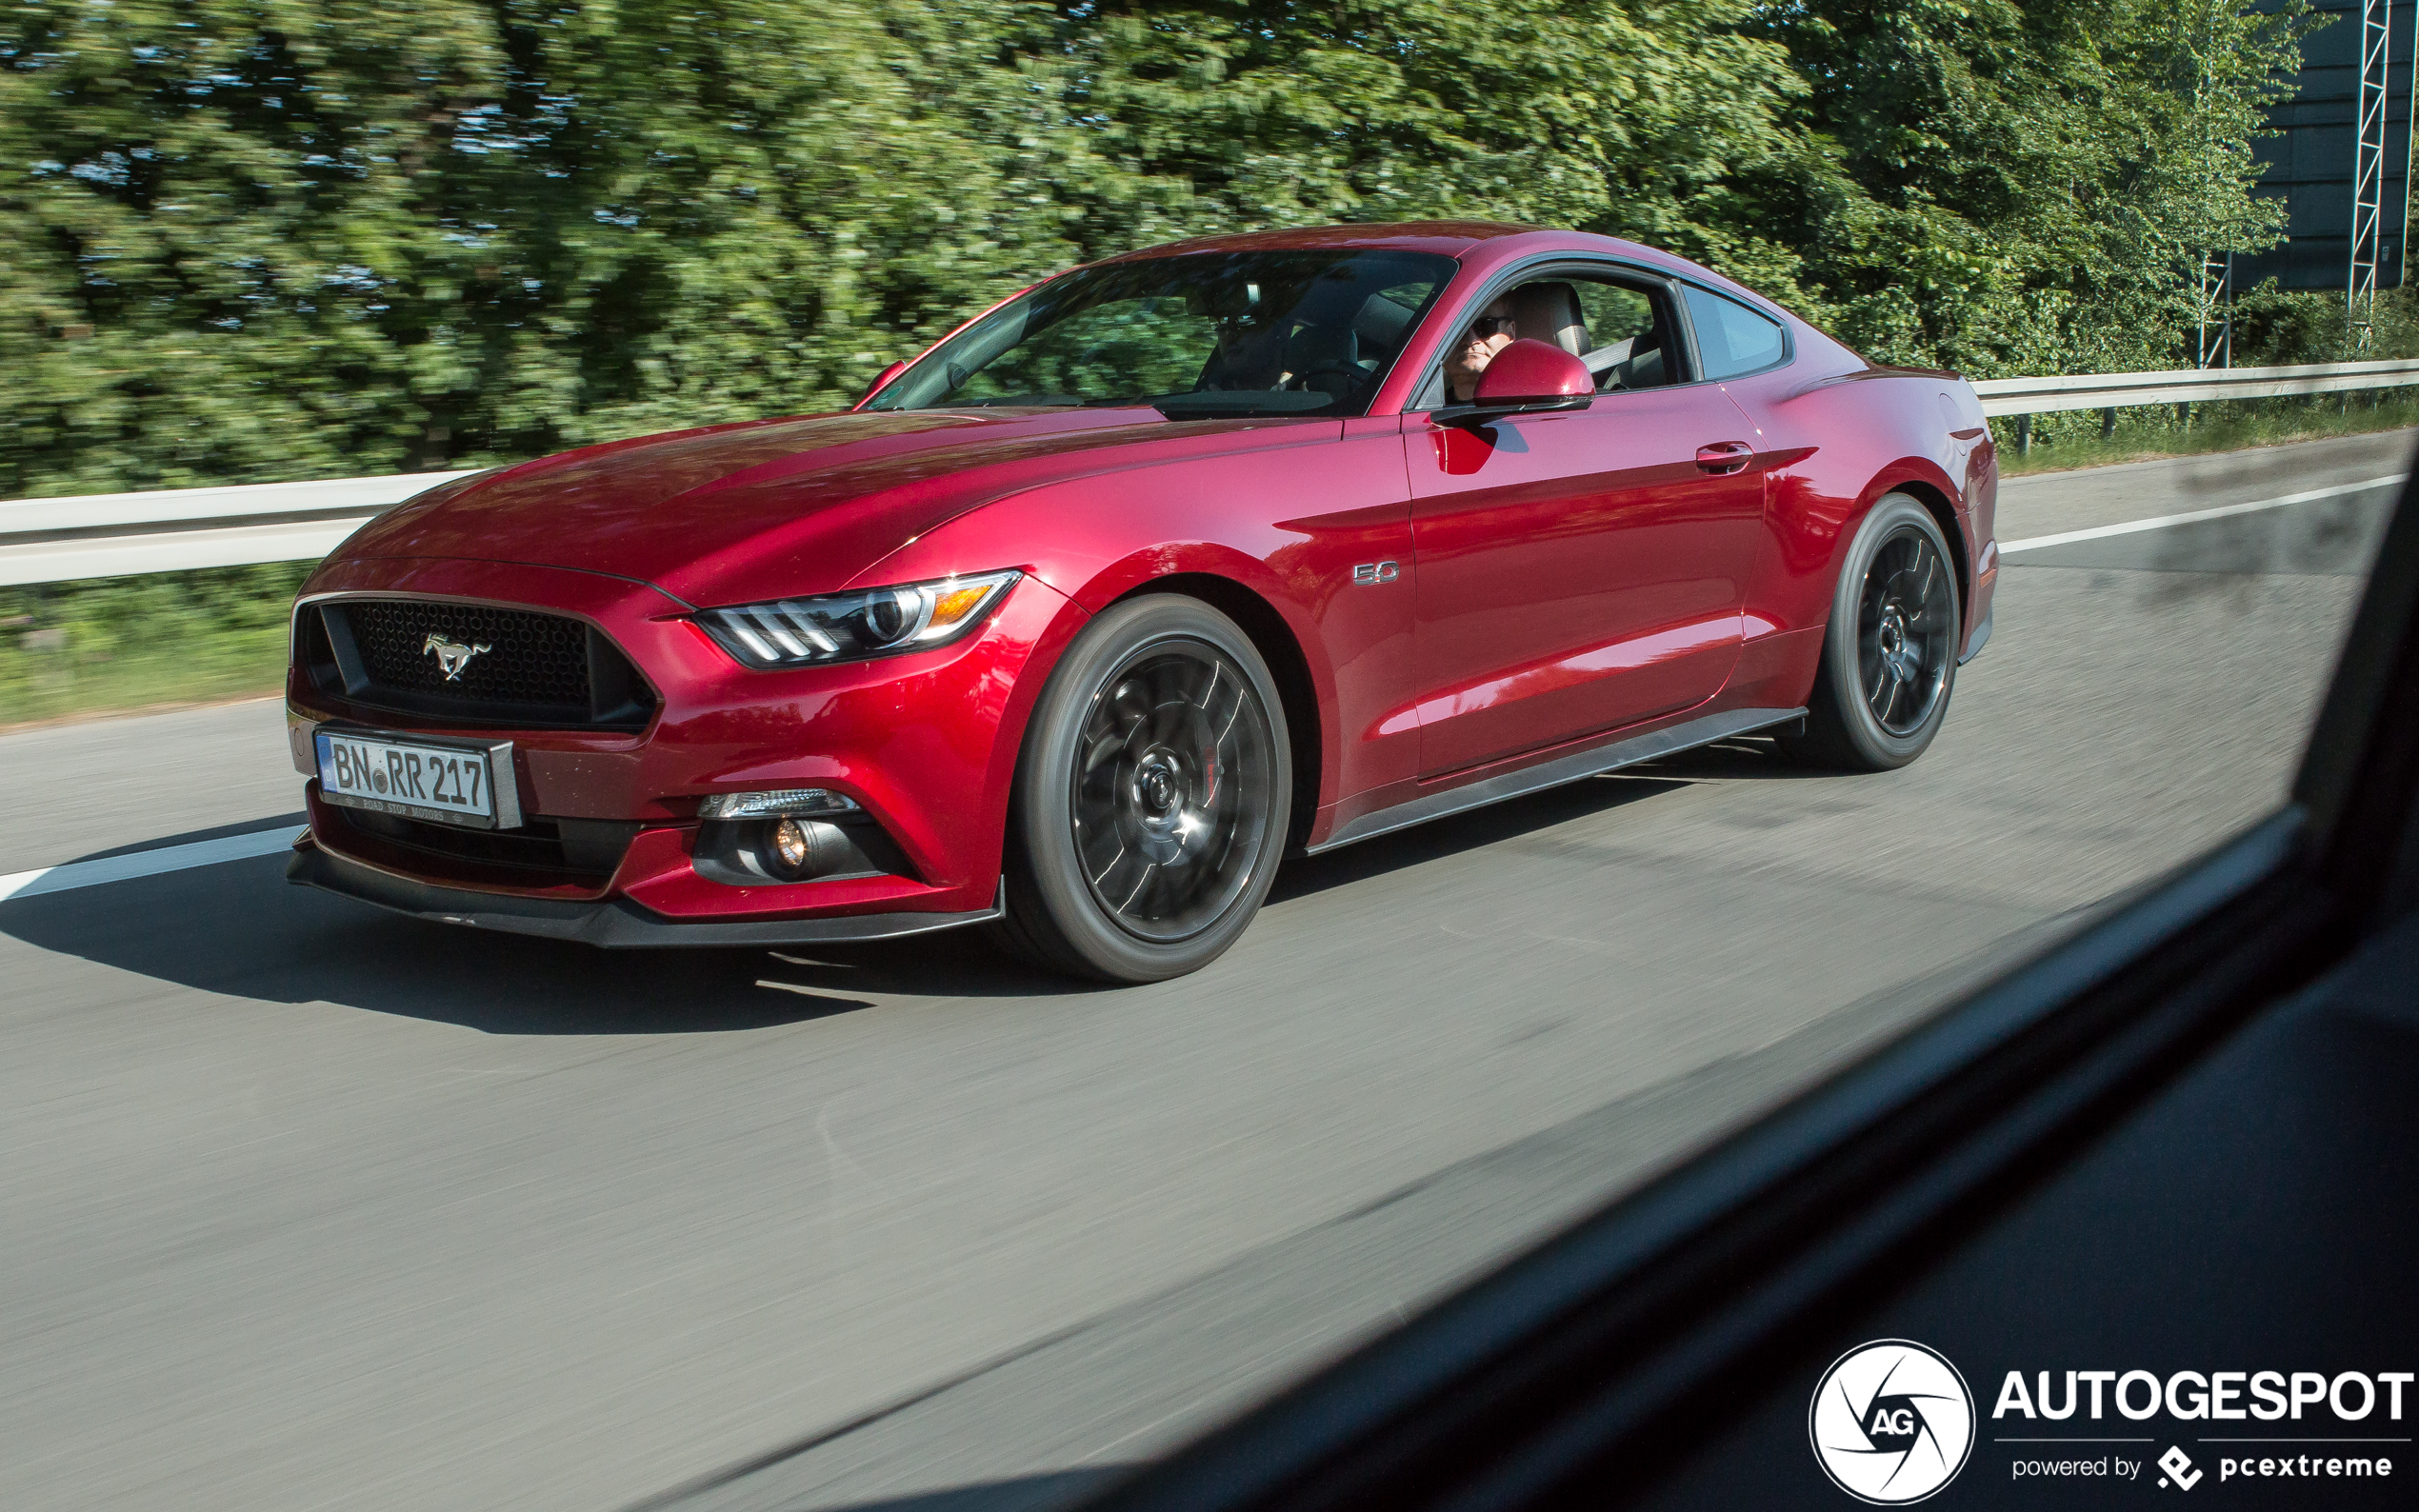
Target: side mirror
1527, 378
883, 378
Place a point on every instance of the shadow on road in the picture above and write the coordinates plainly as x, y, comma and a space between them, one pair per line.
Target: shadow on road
238, 929
1304, 875
1742, 758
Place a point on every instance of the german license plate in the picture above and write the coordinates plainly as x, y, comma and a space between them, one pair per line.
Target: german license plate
453, 783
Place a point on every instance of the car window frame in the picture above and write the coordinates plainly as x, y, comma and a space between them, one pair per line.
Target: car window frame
1669, 282
1531, 269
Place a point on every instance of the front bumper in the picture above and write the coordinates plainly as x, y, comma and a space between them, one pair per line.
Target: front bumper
612, 923
925, 744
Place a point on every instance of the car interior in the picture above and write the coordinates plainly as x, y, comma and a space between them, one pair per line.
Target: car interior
1332, 348
1340, 353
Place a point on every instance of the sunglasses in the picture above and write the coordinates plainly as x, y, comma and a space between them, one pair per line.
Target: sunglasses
1486, 326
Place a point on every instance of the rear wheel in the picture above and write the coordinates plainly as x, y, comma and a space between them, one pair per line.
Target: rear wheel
1152, 796
1890, 658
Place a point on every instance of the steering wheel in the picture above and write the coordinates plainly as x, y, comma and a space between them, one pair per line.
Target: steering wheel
1330, 367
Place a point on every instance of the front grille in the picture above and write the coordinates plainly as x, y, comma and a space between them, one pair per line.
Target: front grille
526, 669
536, 659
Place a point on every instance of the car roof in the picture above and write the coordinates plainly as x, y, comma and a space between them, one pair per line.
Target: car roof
1496, 243
1448, 237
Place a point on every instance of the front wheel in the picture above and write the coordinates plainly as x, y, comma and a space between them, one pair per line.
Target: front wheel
1152, 796
1890, 657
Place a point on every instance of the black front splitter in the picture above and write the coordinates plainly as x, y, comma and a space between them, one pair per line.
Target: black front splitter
615, 923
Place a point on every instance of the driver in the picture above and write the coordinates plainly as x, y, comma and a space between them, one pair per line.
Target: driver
1488, 335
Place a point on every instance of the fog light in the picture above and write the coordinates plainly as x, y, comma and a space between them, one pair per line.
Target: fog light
790, 847
781, 801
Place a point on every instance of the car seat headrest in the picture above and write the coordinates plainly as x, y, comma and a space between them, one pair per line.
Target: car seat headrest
1381, 323
1316, 347
1549, 312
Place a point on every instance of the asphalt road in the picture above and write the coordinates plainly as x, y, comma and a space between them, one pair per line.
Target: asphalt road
307, 1208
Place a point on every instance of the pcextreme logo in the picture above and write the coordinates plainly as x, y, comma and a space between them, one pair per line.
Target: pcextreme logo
1891, 1422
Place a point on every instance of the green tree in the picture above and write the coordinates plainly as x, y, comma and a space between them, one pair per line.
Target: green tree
1594, 114
2005, 188
281, 238
260, 239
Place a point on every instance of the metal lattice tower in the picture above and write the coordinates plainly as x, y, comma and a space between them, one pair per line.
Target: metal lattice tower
2369, 174
2217, 311
2410, 156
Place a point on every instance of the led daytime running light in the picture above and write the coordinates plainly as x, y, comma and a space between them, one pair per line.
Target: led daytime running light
854, 625
780, 803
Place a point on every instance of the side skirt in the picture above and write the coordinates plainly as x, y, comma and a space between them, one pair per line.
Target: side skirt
1562, 769
1981, 638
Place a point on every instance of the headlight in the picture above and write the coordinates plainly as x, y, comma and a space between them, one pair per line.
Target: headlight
851, 627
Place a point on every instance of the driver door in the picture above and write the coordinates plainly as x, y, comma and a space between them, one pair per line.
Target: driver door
1584, 570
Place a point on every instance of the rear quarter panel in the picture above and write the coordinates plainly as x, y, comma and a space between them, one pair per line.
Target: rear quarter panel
1835, 435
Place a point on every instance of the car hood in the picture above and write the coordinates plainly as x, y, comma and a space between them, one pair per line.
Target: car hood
768, 509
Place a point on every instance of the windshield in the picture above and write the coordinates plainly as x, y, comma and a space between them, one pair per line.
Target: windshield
1195, 335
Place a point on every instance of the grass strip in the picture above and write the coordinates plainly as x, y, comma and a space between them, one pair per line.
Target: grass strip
112, 645
2148, 432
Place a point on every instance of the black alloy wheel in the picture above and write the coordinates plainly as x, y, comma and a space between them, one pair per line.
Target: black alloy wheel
1906, 644
1890, 657
1171, 791
1152, 797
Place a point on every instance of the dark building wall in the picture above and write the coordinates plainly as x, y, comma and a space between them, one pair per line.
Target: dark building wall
2310, 164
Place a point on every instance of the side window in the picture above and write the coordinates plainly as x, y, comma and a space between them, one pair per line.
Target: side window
1732, 338
1615, 313
1624, 332
1628, 337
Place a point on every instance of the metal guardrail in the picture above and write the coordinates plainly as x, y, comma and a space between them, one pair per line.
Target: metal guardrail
119, 535
2115, 390
103, 535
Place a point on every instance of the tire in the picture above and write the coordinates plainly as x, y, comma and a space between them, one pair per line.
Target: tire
1890, 658
1151, 799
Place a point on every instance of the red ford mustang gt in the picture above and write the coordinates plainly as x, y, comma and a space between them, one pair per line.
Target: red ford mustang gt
1143, 578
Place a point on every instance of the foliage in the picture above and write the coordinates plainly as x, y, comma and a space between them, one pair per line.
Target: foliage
271, 239
2022, 189
282, 238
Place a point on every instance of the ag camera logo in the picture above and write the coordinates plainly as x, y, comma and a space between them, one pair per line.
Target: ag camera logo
1891, 1422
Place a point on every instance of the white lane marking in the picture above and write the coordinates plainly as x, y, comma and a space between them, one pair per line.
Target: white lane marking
146, 863
2162, 522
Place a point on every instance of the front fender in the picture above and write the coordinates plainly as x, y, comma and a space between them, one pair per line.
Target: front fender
1287, 524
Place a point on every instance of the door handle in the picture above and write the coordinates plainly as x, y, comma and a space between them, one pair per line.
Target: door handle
1725, 457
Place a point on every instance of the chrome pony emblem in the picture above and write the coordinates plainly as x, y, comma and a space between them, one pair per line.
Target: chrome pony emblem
452, 656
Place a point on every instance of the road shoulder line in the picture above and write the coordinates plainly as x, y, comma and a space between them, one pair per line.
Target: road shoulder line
2195, 516
73, 874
